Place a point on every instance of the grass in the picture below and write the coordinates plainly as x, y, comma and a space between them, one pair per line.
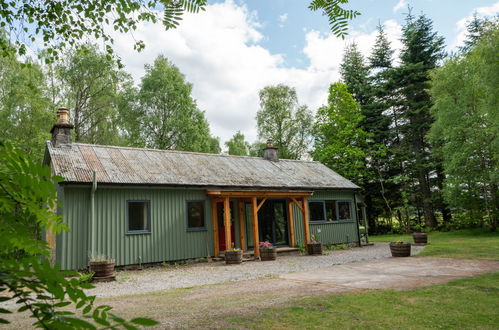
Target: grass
461, 304
462, 244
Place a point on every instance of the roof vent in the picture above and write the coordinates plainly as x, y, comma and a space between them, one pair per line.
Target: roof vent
62, 129
270, 152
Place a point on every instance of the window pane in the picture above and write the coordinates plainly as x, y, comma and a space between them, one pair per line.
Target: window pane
316, 211
344, 210
138, 219
195, 214
331, 211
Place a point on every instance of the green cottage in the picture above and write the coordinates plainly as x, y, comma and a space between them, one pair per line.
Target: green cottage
146, 206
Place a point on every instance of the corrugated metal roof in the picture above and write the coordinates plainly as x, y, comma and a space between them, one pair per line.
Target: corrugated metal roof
123, 165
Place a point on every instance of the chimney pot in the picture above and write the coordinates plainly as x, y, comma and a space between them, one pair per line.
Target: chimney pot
62, 129
270, 152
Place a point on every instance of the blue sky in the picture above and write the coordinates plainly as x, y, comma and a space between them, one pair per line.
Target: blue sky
235, 48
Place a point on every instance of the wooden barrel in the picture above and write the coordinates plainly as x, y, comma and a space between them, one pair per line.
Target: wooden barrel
102, 268
268, 254
420, 238
400, 249
314, 248
233, 257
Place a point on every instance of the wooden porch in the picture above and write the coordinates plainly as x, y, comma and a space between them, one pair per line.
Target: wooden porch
299, 198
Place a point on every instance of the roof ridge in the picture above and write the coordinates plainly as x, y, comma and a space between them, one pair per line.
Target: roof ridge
185, 152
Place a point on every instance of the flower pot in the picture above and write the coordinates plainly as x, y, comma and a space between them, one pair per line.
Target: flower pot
233, 257
268, 254
314, 248
102, 269
420, 238
400, 249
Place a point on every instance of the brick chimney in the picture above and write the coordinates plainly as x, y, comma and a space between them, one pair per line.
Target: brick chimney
270, 152
62, 129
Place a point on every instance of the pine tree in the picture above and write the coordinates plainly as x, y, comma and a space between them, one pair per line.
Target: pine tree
354, 73
422, 51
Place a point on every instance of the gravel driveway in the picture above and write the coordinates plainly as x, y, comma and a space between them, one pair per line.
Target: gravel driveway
170, 277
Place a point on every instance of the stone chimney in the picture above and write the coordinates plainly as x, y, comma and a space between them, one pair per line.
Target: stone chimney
62, 129
270, 152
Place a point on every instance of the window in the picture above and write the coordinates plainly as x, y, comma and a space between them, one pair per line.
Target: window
344, 211
329, 210
316, 210
195, 215
139, 219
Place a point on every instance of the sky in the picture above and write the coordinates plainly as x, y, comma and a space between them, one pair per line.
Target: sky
235, 48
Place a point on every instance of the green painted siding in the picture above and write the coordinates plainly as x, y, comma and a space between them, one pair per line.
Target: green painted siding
169, 239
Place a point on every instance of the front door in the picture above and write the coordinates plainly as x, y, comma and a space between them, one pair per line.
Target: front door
273, 222
221, 225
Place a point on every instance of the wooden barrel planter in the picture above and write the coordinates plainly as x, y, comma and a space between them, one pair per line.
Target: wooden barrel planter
314, 248
400, 249
268, 254
420, 238
103, 269
233, 257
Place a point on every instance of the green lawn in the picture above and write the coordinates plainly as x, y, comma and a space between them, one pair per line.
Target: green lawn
462, 304
464, 244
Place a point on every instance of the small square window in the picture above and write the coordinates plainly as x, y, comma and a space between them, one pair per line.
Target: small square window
195, 215
316, 211
139, 220
344, 211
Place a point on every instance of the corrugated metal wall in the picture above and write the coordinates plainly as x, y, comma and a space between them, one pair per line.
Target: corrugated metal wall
169, 239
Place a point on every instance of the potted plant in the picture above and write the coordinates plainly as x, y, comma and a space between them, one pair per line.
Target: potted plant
314, 247
103, 268
233, 255
400, 249
267, 251
420, 238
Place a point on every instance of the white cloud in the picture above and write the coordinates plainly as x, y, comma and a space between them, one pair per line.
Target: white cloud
227, 66
462, 23
283, 18
401, 4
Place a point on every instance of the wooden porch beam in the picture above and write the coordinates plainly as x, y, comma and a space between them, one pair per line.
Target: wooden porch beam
254, 213
261, 204
242, 239
214, 217
306, 229
228, 238
259, 194
297, 204
291, 224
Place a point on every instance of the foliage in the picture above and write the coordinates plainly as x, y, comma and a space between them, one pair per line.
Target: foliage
237, 145
338, 140
165, 115
89, 84
68, 23
266, 245
283, 120
337, 15
25, 116
466, 129
85, 277
27, 201
354, 73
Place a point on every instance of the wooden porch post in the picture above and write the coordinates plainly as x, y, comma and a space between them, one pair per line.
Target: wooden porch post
242, 239
254, 213
306, 229
291, 224
214, 217
228, 238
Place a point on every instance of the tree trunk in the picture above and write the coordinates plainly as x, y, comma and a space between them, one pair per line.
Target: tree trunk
429, 216
444, 208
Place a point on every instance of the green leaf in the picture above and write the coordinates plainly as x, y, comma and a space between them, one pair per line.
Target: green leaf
144, 321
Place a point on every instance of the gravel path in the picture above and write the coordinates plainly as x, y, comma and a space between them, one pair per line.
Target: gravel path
164, 278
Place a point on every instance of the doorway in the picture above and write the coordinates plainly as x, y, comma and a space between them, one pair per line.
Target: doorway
273, 222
